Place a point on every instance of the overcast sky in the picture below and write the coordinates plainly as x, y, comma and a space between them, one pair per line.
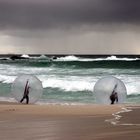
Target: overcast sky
70, 26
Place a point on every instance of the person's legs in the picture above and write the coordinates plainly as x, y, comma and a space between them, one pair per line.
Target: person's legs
112, 101
117, 99
27, 99
22, 99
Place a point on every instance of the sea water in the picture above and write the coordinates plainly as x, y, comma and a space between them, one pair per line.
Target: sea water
71, 79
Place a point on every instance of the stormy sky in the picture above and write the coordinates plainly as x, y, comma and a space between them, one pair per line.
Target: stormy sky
70, 26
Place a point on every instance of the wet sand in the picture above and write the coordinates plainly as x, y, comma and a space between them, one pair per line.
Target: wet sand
55, 122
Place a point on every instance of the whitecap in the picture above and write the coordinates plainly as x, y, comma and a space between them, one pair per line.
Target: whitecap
75, 58
70, 83
25, 56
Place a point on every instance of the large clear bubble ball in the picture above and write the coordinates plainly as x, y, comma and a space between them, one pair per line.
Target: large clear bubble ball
27, 89
106, 87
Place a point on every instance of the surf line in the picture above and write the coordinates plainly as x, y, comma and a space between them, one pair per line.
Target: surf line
117, 117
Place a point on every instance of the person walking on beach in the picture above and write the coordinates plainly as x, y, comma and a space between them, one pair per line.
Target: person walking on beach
114, 95
26, 93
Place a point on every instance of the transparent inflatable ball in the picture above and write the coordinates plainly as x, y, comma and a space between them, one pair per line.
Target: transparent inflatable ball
27, 89
110, 90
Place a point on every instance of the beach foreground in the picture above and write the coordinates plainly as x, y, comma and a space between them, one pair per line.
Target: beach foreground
56, 122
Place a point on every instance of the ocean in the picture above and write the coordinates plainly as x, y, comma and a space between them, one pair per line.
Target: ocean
69, 80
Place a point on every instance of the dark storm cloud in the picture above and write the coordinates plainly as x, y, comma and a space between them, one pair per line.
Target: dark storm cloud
45, 14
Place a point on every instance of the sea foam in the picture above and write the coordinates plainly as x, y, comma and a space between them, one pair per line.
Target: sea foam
75, 58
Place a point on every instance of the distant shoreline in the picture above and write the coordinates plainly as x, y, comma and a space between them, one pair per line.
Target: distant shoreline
78, 55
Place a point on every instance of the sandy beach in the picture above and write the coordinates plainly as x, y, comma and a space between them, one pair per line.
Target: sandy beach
57, 122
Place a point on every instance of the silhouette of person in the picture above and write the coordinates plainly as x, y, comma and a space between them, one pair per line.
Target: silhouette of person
114, 96
26, 93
